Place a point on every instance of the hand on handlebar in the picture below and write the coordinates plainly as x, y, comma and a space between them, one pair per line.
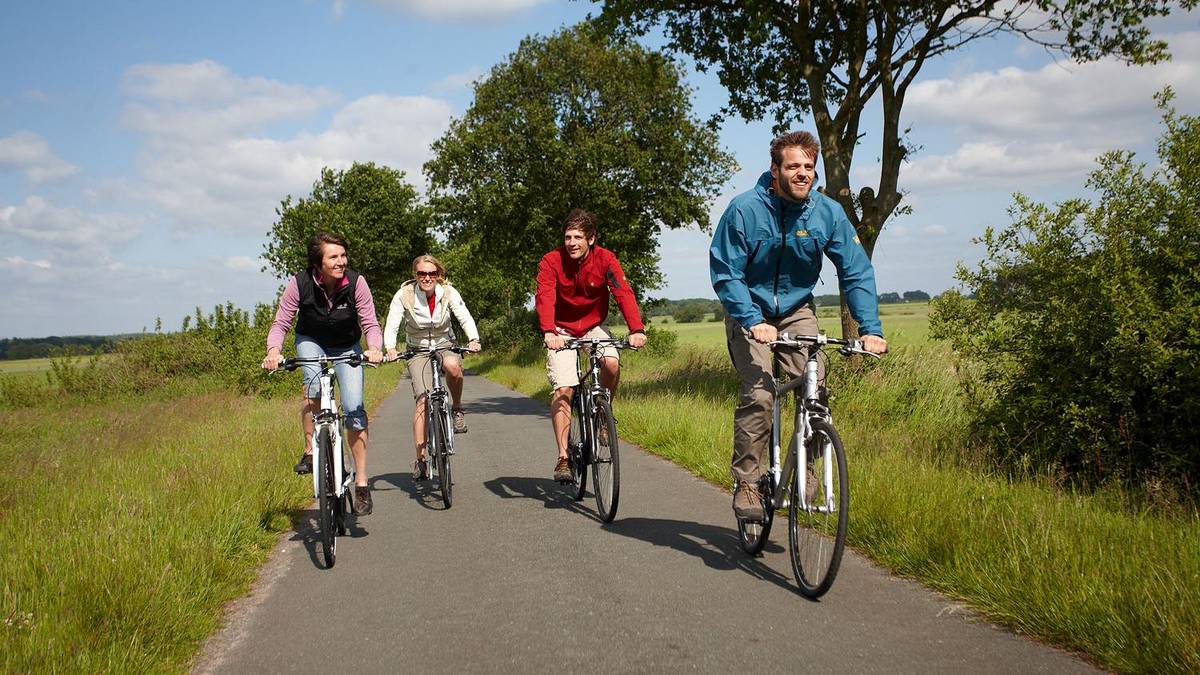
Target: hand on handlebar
764, 333
373, 356
636, 340
874, 344
554, 341
272, 361
474, 346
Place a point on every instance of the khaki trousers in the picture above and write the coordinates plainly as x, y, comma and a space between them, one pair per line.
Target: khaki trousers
752, 361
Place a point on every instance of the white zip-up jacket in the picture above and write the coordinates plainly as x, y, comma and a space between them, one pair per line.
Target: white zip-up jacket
410, 309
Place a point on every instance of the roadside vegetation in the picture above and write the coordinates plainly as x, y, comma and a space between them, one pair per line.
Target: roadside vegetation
140, 493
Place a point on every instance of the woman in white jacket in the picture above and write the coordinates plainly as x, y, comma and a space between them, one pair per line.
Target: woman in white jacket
423, 306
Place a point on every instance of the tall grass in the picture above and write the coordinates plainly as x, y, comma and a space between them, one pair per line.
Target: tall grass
128, 522
1095, 573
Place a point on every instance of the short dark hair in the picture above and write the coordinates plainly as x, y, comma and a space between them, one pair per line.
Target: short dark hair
316, 247
581, 220
807, 142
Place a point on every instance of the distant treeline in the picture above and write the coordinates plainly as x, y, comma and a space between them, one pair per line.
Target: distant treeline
12, 349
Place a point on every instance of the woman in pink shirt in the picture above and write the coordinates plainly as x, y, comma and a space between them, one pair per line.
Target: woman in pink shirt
335, 309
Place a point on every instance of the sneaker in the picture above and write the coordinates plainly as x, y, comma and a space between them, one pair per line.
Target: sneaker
747, 501
420, 470
304, 466
602, 437
460, 421
362, 500
562, 471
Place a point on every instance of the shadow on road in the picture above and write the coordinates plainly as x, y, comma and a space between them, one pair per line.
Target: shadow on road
551, 493
304, 530
506, 405
426, 492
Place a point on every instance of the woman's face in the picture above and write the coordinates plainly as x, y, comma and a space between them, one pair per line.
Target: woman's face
427, 276
333, 262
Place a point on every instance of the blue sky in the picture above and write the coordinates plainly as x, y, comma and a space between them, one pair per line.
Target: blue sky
144, 146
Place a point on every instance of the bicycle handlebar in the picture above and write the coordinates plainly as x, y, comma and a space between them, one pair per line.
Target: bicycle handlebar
580, 343
848, 347
410, 353
354, 360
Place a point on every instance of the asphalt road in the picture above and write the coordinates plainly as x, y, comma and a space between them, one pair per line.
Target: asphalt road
517, 577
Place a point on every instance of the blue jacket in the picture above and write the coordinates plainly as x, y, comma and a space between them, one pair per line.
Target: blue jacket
764, 266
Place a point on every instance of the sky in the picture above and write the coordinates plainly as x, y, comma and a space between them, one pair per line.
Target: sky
144, 146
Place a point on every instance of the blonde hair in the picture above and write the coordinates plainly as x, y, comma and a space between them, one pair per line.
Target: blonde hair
437, 264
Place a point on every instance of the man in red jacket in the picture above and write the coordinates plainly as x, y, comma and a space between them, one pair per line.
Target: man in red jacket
573, 285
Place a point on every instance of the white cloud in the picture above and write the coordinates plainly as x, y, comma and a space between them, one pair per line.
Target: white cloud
67, 230
29, 153
451, 10
16, 262
1102, 100
992, 165
936, 230
209, 164
456, 81
242, 263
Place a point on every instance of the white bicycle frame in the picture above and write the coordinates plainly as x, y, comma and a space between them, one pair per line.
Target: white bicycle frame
329, 416
781, 475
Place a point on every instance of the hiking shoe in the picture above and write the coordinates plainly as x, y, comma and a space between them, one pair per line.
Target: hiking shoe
602, 436
747, 501
304, 466
420, 470
460, 421
362, 500
562, 471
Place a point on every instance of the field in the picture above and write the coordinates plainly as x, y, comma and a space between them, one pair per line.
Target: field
903, 324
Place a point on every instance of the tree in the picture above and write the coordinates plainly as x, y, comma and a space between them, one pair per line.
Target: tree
689, 313
573, 120
916, 296
373, 208
828, 59
1081, 343
889, 298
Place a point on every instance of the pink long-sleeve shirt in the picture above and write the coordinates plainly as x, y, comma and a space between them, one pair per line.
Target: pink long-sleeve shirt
289, 304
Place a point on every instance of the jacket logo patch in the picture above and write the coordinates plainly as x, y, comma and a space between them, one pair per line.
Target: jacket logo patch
801, 233
857, 241
343, 305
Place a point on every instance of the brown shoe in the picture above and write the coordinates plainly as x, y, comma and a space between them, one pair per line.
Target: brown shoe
747, 501
420, 470
362, 500
562, 471
460, 421
812, 488
602, 436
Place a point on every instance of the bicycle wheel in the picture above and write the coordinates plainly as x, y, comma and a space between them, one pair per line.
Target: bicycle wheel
576, 451
817, 530
441, 455
753, 534
606, 460
326, 499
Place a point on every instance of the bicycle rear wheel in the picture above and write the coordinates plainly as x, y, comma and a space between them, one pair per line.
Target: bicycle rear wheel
576, 450
753, 534
817, 530
606, 460
441, 456
326, 499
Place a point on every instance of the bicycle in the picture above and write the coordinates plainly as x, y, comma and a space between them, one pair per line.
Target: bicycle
333, 481
815, 444
592, 440
439, 431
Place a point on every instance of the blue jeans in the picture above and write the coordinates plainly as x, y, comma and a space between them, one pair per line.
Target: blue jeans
349, 379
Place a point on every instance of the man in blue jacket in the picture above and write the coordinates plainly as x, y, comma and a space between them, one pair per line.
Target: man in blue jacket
764, 261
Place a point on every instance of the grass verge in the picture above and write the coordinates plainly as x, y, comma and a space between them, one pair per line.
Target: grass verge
129, 523
1092, 573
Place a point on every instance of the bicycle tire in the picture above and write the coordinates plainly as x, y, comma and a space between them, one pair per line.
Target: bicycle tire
442, 457
606, 461
817, 537
753, 534
326, 499
576, 455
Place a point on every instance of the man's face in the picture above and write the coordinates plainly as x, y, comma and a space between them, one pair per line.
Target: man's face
577, 244
794, 175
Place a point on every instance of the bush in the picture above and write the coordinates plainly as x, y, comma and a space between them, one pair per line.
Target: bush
660, 342
1080, 347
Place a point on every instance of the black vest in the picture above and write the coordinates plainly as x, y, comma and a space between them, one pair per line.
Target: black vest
336, 327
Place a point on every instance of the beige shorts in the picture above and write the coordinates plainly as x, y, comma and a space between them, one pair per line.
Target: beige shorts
420, 371
561, 366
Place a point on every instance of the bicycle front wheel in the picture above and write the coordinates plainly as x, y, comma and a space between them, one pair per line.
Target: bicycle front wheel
576, 452
326, 498
606, 460
817, 526
441, 456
